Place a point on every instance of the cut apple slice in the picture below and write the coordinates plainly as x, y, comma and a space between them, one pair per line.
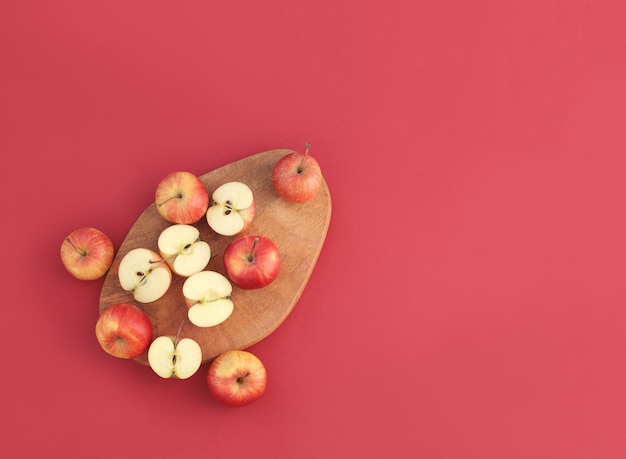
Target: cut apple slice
170, 359
145, 274
183, 250
207, 295
232, 210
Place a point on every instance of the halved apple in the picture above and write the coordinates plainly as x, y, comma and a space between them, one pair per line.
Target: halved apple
232, 209
145, 274
183, 250
208, 297
170, 358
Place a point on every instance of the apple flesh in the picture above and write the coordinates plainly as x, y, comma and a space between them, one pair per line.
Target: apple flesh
232, 210
171, 358
208, 296
183, 250
87, 253
145, 274
252, 261
181, 197
124, 331
237, 378
297, 177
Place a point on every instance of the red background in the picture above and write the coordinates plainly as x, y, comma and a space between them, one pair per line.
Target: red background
469, 301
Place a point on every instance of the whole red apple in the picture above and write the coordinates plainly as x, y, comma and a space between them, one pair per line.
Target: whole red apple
297, 177
87, 253
237, 378
181, 197
123, 330
252, 261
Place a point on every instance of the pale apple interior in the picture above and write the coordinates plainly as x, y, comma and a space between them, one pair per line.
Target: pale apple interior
183, 250
226, 216
207, 294
193, 259
142, 273
170, 360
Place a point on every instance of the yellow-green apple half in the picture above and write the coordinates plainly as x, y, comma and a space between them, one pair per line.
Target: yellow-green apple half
181, 197
252, 261
124, 331
207, 294
183, 249
232, 209
172, 358
87, 253
145, 274
237, 378
297, 177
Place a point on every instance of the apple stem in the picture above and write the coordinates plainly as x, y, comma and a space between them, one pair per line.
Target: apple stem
82, 252
241, 379
251, 255
182, 322
178, 196
306, 152
142, 277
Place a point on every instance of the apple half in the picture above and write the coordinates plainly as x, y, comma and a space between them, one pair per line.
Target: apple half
208, 297
232, 209
172, 358
145, 274
183, 250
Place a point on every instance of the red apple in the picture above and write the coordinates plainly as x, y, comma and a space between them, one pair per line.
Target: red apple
297, 177
181, 197
123, 330
237, 378
252, 261
87, 253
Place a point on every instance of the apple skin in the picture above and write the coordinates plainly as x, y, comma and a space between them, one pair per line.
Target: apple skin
252, 261
87, 253
297, 177
181, 197
124, 331
237, 378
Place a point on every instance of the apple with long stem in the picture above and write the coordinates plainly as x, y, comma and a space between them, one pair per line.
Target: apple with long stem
252, 261
173, 357
183, 249
297, 177
237, 378
232, 210
87, 253
124, 331
181, 197
207, 295
145, 274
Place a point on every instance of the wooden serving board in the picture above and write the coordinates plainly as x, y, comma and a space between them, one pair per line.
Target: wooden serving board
298, 230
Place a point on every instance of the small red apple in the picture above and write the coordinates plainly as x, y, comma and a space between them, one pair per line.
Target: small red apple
123, 330
87, 253
237, 378
297, 177
181, 197
252, 261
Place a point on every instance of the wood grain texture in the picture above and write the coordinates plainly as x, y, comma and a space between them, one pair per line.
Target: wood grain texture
299, 231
